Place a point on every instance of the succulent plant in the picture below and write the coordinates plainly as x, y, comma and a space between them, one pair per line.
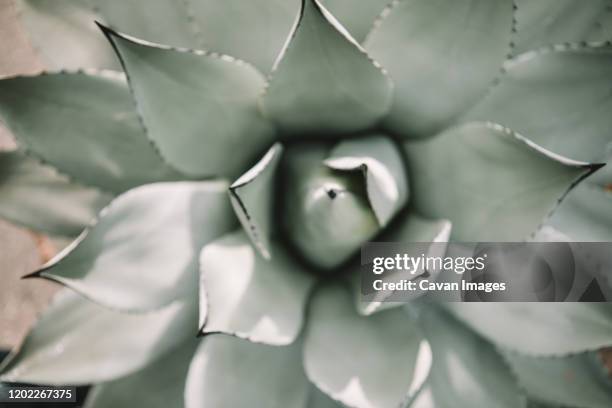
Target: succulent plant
233, 181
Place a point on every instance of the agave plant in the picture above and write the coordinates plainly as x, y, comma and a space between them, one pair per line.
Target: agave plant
246, 152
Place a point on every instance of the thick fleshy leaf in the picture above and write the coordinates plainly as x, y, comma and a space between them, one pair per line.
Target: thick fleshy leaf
554, 328
84, 124
381, 163
143, 251
549, 22
158, 385
466, 371
586, 214
559, 98
231, 372
199, 108
161, 21
78, 342
505, 188
373, 361
442, 57
250, 297
326, 214
579, 380
36, 196
253, 30
253, 196
412, 228
65, 34
324, 81
357, 16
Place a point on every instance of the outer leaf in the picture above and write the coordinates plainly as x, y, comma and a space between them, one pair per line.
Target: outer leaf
73, 331
250, 297
373, 361
412, 228
442, 56
554, 328
357, 16
466, 370
253, 30
506, 187
142, 254
324, 81
381, 163
253, 375
162, 21
549, 22
38, 197
65, 35
159, 385
326, 213
579, 380
554, 96
199, 108
253, 196
91, 113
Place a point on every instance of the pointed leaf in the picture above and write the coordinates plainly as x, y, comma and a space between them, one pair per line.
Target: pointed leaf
412, 228
65, 34
230, 372
324, 81
161, 21
78, 342
37, 196
250, 297
253, 196
373, 361
380, 162
467, 371
442, 57
579, 380
143, 251
253, 30
549, 22
199, 108
554, 328
357, 17
559, 98
56, 115
326, 214
504, 189
158, 385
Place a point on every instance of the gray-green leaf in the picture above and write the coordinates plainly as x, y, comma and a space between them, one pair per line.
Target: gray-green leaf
200, 108
549, 22
363, 362
579, 380
559, 98
324, 81
357, 16
506, 187
79, 342
442, 56
253, 196
65, 34
84, 124
231, 372
36, 196
143, 252
466, 371
554, 328
250, 297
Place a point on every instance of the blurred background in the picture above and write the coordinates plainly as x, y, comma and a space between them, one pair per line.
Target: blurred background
21, 251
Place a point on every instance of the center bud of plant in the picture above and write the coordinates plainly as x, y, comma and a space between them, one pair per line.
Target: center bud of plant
337, 197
